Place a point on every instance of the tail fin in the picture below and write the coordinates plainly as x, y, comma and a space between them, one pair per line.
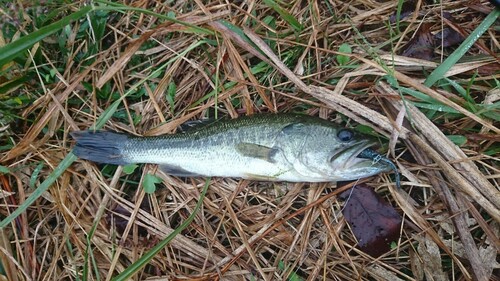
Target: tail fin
100, 146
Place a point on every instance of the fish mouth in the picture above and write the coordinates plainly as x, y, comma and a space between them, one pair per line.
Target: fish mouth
360, 160
356, 161
353, 158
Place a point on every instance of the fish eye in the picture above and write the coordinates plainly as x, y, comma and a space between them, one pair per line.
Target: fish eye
345, 135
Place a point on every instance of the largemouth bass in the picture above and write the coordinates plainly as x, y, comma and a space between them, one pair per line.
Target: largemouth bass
279, 147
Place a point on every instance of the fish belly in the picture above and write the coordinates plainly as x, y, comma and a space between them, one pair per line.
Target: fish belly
218, 162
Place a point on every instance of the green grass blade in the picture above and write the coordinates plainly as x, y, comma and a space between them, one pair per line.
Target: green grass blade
70, 250
398, 15
35, 174
14, 49
436, 107
439, 72
291, 20
419, 95
146, 258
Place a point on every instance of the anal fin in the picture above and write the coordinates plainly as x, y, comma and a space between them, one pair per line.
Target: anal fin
177, 171
256, 177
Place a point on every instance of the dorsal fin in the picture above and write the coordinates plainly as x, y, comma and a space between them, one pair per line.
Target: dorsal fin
195, 124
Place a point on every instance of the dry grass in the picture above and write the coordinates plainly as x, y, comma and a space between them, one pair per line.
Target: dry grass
94, 222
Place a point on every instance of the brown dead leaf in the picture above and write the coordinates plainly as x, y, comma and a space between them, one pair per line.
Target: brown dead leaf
119, 218
448, 37
421, 46
407, 9
374, 222
431, 259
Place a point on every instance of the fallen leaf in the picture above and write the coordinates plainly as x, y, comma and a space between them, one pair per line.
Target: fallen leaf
430, 255
120, 216
343, 59
149, 183
421, 46
489, 69
448, 37
374, 222
129, 169
407, 9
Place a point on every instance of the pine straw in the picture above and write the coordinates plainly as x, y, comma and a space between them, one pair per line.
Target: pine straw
249, 229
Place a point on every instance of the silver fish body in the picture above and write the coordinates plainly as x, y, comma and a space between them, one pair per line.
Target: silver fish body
281, 147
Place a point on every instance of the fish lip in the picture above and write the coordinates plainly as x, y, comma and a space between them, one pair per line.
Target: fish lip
354, 159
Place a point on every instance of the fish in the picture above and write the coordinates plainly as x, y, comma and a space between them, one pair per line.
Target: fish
263, 147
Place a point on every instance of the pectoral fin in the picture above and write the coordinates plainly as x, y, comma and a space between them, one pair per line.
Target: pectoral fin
257, 151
